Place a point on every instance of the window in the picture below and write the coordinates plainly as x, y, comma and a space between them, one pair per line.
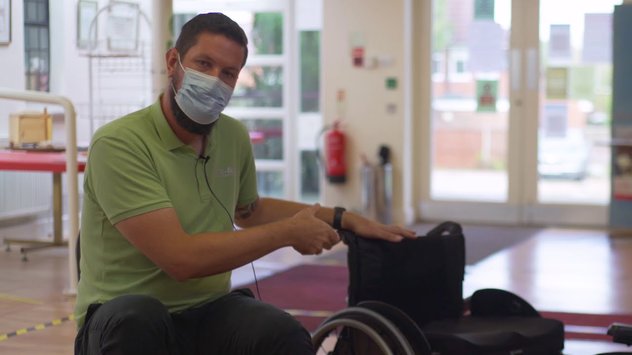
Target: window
460, 66
37, 45
309, 119
436, 65
310, 70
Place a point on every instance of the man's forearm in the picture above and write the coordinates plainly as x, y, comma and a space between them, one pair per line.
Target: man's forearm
267, 210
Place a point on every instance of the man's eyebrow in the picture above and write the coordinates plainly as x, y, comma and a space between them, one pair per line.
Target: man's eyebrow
203, 56
206, 57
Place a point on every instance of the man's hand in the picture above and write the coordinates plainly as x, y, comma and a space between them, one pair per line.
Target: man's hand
310, 234
371, 229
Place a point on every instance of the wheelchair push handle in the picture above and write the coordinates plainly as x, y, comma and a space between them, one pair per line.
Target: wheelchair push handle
445, 228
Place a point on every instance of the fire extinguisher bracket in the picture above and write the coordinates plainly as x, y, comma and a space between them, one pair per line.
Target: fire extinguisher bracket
337, 179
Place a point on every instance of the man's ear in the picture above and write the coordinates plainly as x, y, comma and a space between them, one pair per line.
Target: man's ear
171, 59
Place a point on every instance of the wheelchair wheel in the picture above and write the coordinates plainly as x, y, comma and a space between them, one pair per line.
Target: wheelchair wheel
357, 330
405, 324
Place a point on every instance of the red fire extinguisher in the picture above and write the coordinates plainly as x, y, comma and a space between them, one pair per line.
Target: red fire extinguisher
335, 164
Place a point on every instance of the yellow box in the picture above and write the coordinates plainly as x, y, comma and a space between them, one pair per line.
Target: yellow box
30, 128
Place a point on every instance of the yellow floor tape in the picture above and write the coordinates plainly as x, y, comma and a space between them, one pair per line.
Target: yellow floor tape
54, 322
40, 326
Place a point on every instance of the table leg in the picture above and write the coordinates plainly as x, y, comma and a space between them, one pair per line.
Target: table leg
57, 210
58, 240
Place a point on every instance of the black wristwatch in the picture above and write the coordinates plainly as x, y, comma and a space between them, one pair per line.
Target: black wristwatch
338, 212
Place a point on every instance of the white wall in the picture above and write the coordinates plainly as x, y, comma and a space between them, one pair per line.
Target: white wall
367, 122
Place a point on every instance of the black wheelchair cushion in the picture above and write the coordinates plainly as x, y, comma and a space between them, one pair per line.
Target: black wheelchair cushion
496, 335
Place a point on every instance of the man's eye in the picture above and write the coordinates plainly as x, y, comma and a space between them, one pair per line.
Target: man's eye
204, 64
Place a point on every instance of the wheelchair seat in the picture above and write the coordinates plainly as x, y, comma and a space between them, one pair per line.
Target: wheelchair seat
491, 335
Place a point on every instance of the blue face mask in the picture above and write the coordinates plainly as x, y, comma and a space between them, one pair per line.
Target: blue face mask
202, 97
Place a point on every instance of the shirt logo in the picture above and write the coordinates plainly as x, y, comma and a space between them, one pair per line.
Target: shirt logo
226, 172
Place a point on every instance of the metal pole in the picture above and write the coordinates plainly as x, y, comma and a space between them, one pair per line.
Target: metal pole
162, 40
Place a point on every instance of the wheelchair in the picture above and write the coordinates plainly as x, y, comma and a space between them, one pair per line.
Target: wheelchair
407, 298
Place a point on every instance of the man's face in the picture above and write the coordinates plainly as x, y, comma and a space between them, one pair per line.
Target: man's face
214, 55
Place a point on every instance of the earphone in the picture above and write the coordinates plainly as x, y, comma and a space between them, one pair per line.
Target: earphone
230, 218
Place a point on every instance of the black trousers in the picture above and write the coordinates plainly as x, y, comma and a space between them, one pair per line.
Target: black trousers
231, 325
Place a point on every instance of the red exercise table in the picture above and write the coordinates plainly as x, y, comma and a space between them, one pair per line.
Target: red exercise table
41, 161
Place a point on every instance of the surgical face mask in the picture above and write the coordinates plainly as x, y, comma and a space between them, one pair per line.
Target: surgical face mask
202, 97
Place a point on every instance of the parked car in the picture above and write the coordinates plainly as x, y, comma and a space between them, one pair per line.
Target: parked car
563, 157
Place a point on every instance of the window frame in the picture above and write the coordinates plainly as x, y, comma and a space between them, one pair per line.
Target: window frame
32, 51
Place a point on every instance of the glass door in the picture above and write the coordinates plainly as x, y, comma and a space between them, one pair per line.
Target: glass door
470, 106
520, 111
575, 91
471, 109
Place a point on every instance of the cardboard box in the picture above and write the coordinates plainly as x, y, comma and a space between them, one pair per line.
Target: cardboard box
30, 129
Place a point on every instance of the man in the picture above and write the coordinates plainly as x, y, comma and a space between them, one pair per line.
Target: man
163, 188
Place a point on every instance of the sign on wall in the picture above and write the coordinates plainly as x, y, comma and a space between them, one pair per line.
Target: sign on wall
5, 21
557, 83
486, 95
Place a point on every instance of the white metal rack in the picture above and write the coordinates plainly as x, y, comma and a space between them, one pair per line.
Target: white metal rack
119, 68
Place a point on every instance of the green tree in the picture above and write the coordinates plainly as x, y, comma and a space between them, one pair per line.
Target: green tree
310, 71
442, 36
267, 33
441, 26
267, 39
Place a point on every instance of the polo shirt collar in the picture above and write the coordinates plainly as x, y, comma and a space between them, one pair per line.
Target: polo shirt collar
168, 138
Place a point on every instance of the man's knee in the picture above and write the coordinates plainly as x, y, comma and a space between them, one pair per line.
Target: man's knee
297, 338
239, 324
130, 324
287, 335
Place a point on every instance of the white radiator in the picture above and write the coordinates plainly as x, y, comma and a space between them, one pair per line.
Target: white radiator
24, 194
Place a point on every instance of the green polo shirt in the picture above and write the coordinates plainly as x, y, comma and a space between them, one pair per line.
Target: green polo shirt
136, 164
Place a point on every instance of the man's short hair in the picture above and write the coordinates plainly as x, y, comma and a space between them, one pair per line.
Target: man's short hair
212, 22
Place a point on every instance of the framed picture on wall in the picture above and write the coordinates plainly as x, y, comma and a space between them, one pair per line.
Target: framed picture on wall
5, 21
86, 13
123, 26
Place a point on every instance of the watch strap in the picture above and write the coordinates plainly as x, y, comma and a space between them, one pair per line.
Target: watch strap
338, 212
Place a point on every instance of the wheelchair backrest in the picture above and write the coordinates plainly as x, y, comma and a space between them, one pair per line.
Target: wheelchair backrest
422, 276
